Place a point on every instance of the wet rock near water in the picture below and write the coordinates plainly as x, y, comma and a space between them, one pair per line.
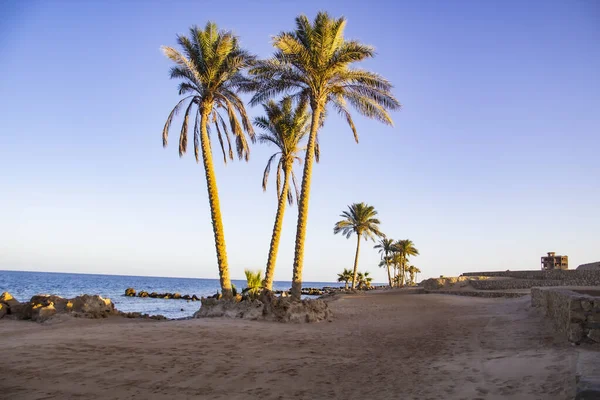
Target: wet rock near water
42, 307
131, 292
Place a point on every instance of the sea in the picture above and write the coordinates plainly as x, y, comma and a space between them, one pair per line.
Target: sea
23, 285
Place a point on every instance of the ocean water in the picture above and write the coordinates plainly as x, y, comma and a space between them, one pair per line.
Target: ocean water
23, 285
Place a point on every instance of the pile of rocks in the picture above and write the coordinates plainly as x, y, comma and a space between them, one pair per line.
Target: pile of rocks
130, 292
43, 307
268, 308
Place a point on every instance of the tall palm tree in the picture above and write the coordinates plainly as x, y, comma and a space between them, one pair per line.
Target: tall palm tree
284, 126
359, 219
314, 62
386, 247
345, 276
210, 67
405, 249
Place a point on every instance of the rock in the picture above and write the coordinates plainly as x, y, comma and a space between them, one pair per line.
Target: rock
269, 308
93, 306
42, 313
186, 297
577, 316
20, 311
130, 292
195, 298
7, 299
143, 294
176, 296
3, 310
594, 334
586, 305
60, 304
575, 333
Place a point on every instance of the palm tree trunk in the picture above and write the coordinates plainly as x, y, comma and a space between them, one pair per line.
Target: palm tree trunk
268, 284
346, 285
356, 261
215, 207
303, 204
387, 264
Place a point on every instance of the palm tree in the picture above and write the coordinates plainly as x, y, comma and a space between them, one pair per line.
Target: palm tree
314, 62
210, 67
254, 281
359, 219
405, 248
412, 271
284, 127
345, 276
386, 247
364, 280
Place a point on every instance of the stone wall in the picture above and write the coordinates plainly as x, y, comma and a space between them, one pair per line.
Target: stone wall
508, 284
570, 277
575, 314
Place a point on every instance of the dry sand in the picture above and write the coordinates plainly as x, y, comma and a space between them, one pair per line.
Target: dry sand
385, 345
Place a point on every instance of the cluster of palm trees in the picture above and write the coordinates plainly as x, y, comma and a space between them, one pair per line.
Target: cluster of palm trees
312, 69
361, 219
362, 278
395, 254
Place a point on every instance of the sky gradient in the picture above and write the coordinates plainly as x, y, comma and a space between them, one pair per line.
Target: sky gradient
492, 161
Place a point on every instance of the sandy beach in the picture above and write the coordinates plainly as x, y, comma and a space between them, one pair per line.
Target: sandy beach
386, 345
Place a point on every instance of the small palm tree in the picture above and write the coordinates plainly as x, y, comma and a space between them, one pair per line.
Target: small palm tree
345, 276
314, 62
364, 280
386, 248
284, 126
413, 271
405, 249
359, 219
210, 67
254, 281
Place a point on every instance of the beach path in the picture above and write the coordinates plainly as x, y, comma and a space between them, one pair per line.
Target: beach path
381, 345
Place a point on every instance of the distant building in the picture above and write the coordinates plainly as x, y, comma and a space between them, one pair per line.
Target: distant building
552, 261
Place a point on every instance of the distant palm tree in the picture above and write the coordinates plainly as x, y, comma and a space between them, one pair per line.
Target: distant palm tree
210, 67
386, 248
412, 271
345, 276
254, 281
364, 280
284, 126
359, 219
405, 249
314, 62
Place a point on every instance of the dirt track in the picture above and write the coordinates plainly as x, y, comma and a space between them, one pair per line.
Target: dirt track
380, 346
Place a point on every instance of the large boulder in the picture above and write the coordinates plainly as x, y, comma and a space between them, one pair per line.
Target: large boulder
93, 306
20, 311
8, 299
41, 313
60, 303
3, 310
130, 292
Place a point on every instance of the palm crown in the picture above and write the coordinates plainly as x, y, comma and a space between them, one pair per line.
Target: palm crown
210, 67
359, 219
313, 62
284, 126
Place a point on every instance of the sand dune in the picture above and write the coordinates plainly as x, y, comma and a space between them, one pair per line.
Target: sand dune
380, 346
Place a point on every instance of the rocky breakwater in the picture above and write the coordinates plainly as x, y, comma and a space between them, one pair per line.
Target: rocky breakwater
131, 292
268, 307
43, 307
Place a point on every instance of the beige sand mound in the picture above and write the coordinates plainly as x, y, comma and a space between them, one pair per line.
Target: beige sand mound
385, 345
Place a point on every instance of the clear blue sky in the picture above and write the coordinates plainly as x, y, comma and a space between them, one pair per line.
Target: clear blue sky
493, 161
